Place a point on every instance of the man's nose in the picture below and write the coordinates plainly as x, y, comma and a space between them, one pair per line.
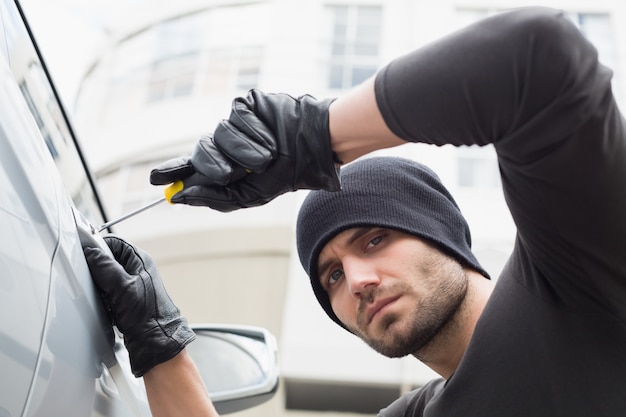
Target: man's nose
360, 276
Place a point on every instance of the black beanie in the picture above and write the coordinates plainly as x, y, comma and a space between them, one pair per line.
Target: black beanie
388, 192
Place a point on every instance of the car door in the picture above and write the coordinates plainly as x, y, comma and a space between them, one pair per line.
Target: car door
59, 355
54, 334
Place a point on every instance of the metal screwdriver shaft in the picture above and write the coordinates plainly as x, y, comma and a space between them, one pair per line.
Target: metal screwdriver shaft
131, 214
169, 191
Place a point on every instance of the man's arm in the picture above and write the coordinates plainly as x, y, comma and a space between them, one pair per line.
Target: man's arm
357, 126
529, 73
529, 83
175, 388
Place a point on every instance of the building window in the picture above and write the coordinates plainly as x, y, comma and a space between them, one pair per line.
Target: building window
354, 45
478, 167
127, 187
176, 58
172, 77
233, 67
249, 67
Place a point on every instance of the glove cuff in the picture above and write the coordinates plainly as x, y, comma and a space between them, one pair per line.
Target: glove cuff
317, 164
158, 344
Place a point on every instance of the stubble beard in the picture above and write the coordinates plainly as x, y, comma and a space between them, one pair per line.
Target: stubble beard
429, 320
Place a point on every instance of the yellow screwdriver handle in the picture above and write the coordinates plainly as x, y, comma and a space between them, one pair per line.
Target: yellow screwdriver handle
172, 189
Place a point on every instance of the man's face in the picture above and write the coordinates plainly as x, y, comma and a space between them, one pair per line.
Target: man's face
392, 289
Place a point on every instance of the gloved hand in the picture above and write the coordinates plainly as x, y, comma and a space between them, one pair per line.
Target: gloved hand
271, 144
132, 291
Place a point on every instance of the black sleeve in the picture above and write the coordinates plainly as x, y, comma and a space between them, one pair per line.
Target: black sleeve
529, 83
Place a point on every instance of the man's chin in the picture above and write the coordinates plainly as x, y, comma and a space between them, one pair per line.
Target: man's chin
392, 343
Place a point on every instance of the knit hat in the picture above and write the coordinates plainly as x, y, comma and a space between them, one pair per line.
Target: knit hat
388, 192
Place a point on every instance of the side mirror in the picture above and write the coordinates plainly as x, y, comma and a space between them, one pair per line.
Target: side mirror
238, 364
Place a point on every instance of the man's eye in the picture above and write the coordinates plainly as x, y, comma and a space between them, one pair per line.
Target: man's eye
335, 276
375, 241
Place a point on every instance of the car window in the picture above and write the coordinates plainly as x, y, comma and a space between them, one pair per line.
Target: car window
50, 117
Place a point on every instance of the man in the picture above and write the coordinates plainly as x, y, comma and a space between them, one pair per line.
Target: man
395, 267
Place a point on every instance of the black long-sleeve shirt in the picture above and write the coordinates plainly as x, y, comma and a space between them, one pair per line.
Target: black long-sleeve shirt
552, 339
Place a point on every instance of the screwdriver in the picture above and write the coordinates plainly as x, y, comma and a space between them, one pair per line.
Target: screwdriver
169, 191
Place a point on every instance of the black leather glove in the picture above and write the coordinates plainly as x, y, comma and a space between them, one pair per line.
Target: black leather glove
133, 292
271, 144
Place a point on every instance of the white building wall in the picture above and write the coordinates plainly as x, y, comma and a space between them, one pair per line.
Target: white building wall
241, 267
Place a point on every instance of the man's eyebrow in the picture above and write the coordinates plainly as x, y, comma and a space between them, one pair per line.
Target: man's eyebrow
358, 232
355, 235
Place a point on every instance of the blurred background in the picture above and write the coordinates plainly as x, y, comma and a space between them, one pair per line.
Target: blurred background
143, 80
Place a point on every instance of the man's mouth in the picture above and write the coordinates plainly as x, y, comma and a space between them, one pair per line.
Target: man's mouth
378, 306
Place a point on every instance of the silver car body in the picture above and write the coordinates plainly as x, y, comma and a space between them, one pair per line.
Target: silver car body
58, 353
